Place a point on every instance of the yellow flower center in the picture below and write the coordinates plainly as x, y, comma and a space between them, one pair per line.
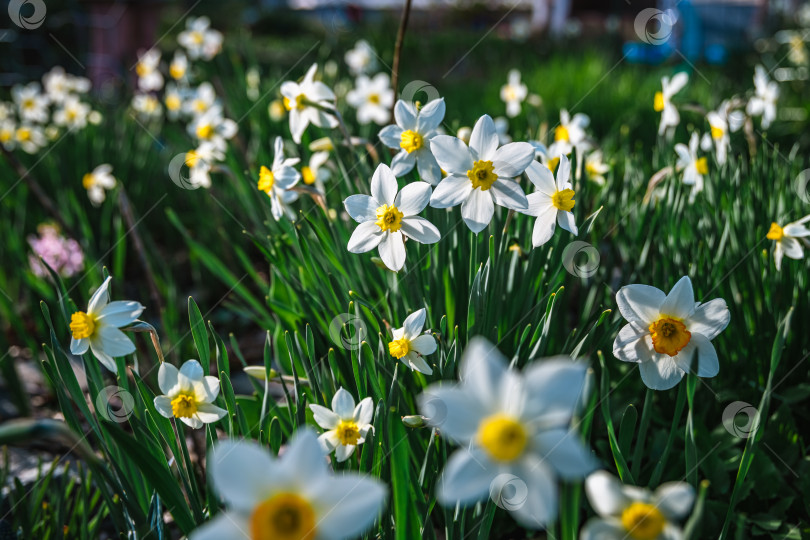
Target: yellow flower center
298, 103
177, 71
561, 134
23, 134
28, 103
200, 105
552, 163
701, 166
590, 168
307, 175
142, 69
503, 437
510, 94
347, 432
374, 98
266, 179
5, 135
410, 141
389, 218
88, 180
563, 200
70, 114
278, 108
204, 131
197, 37
82, 325
776, 232
658, 102
184, 406
173, 102
669, 335
192, 157
399, 347
643, 521
482, 175
717, 132
284, 516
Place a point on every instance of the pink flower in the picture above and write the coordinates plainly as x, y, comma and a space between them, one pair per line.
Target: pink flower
62, 254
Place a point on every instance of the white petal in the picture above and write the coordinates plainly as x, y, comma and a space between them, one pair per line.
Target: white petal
100, 298
79, 346
451, 191
466, 478
391, 136
361, 208
680, 302
191, 370
352, 504
323, 416
639, 303
303, 462
540, 506
392, 250
508, 193
452, 154
512, 159
414, 323
163, 405
343, 403
105, 359
424, 344
167, 377
710, 318
421, 230
417, 363
208, 413
478, 210
365, 237
708, 365
554, 388
565, 452
544, 225
243, 473
563, 172
413, 198
674, 499
630, 344
231, 525
403, 163
602, 529
484, 139
605, 494
384, 185
114, 342
342, 453
429, 169
120, 313
364, 412
430, 116
454, 410
662, 373
483, 370
405, 114
541, 177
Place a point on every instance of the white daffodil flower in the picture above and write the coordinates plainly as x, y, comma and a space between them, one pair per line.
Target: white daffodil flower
306, 102
480, 175
722, 122
361, 59
97, 328
629, 512
502, 129
199, 39
663, 101
411, 135
410, 344
203, 98
513, 93
694, 168
596, 168
388, 216
766, 94
148, 70
212, 126
293, 496
572, 130
188, 394
58, 84
789, 240
147, 106
98, 182
32, 104
668, 335
552, 202
373, 98
173, 99
348, 425
277, 181
8, 133
179, 66
30, 138
509, 424
72, 114
315, 173
200, 162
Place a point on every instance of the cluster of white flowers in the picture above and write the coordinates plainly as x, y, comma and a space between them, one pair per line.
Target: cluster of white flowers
38, 112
